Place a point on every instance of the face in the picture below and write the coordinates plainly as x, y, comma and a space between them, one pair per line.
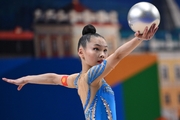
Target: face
96, 51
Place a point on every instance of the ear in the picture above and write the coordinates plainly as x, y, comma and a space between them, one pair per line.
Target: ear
80, 53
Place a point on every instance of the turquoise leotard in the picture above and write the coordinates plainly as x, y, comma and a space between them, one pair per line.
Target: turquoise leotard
103, 105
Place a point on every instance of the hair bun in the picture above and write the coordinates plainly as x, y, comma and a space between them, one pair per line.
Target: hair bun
89, 29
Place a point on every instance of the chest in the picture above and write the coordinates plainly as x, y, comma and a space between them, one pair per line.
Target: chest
82, 89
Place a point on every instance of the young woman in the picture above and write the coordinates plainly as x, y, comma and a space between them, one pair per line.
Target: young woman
96, 95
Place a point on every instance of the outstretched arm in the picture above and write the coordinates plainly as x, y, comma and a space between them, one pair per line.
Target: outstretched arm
48, 78
127, 48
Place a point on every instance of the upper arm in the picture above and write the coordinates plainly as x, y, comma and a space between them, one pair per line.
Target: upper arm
112, 61
66, 80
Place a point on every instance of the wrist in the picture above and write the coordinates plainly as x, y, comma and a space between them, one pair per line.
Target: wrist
27, 79
139, 39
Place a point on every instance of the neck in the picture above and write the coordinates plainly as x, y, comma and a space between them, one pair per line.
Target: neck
85, 67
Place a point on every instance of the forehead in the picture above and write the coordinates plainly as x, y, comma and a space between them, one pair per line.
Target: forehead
98, 41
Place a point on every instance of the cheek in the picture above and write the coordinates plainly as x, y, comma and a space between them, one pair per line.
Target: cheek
91, 55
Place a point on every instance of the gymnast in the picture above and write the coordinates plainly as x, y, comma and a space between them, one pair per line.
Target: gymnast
96, 95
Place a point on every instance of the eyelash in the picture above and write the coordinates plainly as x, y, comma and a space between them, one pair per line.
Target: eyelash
98, 49
95, 48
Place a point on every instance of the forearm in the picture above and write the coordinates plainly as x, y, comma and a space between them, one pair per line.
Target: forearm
48, 78
127, 48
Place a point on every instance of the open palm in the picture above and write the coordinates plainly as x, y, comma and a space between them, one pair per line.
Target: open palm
20, 82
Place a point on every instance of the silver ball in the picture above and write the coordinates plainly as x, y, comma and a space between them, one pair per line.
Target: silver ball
143, 14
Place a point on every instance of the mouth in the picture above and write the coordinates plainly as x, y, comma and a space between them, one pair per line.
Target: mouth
100, 61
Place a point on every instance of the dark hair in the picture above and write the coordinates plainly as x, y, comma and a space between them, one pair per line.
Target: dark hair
88, 31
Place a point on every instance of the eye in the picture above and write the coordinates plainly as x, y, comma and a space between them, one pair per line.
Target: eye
96, 49
105, 50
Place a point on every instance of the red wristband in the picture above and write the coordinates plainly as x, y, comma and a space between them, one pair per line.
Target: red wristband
64, 80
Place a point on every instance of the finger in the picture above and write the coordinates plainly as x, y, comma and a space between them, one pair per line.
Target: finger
5, 79
8, 80
155, 29
145, 32
152, 27
151, 31
137, 33
20, 87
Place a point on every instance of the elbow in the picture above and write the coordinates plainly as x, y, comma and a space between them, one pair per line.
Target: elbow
118, 56
52, 78
121, 55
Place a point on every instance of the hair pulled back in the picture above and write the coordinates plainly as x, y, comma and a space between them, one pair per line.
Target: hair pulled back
88, 31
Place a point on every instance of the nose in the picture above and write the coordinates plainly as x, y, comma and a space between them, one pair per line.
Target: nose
102, 55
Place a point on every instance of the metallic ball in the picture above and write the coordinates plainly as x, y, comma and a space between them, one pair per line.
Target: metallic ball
143, 14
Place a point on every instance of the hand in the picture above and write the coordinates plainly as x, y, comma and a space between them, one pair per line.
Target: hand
147, 33
20, 82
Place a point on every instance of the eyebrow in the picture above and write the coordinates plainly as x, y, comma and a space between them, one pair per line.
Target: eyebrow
100, 45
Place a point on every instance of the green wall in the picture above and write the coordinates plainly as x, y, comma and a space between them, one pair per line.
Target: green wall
141, 95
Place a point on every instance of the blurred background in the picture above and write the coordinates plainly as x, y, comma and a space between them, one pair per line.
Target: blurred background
41, 36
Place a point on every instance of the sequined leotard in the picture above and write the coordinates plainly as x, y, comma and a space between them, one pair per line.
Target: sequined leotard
102, 106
